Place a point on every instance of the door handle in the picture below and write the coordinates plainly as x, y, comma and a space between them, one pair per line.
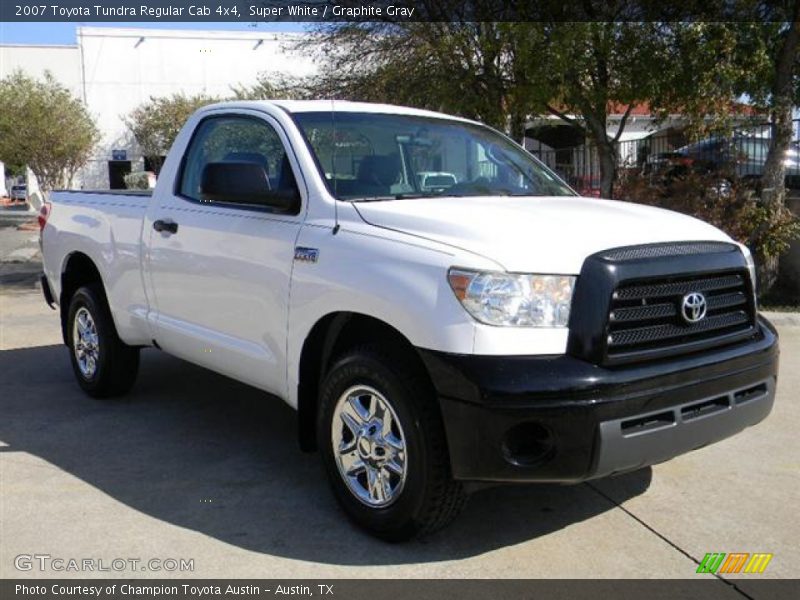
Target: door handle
165, 226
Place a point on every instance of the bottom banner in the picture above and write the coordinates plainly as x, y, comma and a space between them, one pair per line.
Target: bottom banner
709, 588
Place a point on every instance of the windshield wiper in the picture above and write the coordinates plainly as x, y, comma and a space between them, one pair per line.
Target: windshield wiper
406, 196
370, 199
411, 195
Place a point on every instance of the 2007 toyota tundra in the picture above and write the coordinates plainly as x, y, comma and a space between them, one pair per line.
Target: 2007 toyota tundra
438, 306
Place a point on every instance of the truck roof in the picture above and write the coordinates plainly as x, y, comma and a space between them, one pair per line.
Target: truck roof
304, 106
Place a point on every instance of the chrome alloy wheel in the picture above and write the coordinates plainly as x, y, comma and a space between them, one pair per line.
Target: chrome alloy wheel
85, 342
369, 446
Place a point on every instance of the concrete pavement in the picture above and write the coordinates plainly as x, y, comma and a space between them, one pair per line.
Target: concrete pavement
193, 465
18, 246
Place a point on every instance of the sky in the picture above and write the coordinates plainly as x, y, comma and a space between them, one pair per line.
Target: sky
64, 33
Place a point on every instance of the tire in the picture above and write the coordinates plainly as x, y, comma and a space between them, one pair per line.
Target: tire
104, 366
400, 426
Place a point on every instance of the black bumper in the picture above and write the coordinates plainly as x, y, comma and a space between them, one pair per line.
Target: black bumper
558, 418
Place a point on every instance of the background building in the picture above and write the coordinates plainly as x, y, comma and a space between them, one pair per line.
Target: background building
114, 70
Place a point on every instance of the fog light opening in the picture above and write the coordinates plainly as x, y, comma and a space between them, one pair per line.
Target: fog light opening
528, 444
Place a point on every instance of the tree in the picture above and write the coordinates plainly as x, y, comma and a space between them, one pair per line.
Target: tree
585, 71
504, 72
275, 86
758, 58
463, 67
784, 84
156, 123
776, 86
43, 126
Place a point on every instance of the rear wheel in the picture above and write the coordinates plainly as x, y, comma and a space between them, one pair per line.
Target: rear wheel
103, 364
382, 441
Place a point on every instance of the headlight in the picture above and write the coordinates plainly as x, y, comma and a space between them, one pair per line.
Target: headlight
514, 300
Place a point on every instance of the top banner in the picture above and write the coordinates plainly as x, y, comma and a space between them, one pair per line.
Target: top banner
390, 11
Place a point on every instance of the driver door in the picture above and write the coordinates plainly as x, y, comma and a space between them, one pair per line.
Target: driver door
219, 269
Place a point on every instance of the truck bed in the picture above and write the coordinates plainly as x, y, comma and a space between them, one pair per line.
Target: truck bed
106, 227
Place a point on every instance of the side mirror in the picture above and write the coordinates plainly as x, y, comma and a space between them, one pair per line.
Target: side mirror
244, 183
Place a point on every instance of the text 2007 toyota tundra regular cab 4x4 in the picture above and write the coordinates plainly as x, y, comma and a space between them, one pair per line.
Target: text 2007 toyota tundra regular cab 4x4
497, 328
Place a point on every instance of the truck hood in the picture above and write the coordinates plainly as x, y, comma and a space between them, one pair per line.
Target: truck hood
535, 234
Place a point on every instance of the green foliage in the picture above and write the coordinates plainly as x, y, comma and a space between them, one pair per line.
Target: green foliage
44, 127
156, 123
465, 68
274, 86
138, 180
717, 63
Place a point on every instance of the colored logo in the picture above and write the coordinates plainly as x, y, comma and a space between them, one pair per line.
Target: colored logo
694, 307
735, 562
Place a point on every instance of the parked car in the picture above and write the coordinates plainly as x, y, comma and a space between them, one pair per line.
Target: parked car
19, 192
503, 330
663, 163
744, 156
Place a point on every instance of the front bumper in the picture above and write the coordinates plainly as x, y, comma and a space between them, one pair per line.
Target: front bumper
558, 418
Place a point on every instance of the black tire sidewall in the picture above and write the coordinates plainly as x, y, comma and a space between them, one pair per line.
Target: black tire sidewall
400, 519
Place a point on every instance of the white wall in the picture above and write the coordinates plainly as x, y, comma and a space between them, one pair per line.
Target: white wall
62, 61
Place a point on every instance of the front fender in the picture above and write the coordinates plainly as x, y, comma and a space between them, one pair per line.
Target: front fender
400, 284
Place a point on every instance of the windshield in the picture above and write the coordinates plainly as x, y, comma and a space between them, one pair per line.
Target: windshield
369, 156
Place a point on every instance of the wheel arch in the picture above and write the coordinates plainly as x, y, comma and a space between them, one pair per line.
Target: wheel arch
78, 270
330, 336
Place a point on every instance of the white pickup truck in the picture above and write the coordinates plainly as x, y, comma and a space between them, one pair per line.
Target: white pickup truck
497, 329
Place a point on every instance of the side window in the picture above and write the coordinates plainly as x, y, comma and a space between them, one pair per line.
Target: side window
238, 149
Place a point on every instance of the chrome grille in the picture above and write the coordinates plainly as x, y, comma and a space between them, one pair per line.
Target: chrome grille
645, 316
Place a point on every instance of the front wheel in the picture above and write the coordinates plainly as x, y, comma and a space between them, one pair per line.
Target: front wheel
383, 445
103, 364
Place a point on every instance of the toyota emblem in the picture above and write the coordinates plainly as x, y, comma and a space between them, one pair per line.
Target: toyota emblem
694, 307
